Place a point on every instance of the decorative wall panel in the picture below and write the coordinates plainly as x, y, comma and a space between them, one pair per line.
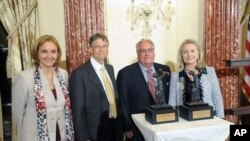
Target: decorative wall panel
82, 19
222, 25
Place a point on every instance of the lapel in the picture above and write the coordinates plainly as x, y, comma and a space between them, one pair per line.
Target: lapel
59, 93
93, 77
48, 95
139, 76
156, 68
110, 75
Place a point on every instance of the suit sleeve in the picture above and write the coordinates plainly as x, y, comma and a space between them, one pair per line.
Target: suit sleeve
216, 94
122, 87
20, 94
77, 98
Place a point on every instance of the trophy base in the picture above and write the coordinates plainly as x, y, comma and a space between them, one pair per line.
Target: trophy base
196, 104
160, 107
196, 111
163, 113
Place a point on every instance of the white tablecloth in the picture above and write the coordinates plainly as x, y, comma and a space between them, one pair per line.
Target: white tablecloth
215, 129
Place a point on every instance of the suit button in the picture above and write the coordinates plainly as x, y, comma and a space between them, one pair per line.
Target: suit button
58, 118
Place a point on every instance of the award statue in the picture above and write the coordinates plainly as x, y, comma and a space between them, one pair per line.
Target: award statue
160, 112
194, 108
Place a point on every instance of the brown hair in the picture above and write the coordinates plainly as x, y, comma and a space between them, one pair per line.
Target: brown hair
98, 36
200, 61
39, 42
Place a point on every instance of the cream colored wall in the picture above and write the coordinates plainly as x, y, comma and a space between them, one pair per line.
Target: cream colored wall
51, 21
187, 23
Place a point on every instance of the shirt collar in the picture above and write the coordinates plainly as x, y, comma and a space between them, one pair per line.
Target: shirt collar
96, 65
145, 69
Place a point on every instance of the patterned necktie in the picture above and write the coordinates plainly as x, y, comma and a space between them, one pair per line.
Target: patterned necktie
109, 93
151, 83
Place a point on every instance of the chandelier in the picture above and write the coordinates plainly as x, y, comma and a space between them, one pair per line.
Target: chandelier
144, 16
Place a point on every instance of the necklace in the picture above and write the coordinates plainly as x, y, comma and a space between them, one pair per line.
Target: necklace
51, 82
51, 85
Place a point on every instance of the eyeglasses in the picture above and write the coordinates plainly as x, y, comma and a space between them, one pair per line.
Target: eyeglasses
149, 50
99, 47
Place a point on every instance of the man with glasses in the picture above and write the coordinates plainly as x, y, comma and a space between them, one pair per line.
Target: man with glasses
137, 87
94, 97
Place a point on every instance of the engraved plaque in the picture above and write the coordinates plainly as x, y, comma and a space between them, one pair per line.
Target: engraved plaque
201, 114
156, 116
196, 113
165, 117
160, 112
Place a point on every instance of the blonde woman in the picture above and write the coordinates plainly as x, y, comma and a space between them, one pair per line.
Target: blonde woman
190, 59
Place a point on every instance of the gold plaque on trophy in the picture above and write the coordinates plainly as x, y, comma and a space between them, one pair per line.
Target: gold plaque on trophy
196, 113
161, 115
160, 112
201, 114
166, 117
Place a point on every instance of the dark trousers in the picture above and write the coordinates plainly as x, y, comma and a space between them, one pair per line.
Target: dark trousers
137, 134
108, 131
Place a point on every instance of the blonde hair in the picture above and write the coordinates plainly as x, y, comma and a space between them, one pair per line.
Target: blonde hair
39, 42
200, 61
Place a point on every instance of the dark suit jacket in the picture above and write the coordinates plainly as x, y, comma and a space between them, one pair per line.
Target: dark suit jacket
134, 93
90, 105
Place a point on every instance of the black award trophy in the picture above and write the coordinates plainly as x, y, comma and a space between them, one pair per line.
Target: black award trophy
160, 112
194, 108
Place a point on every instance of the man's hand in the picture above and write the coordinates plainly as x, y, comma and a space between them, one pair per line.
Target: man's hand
128, 135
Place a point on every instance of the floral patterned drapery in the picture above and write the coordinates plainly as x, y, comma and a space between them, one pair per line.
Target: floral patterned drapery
19, 19
222, 24
82, 19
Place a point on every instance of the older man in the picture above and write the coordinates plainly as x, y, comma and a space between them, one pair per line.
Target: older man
137, 86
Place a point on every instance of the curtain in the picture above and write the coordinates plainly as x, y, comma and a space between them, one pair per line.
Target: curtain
222, 24
19, 18
82, 19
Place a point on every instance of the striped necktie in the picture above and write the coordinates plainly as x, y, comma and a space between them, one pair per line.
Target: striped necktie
109, 93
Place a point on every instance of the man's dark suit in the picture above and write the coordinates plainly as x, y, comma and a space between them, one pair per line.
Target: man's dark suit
134, 94
90, 105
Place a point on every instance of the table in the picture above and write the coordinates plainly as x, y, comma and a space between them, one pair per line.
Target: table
215, 129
